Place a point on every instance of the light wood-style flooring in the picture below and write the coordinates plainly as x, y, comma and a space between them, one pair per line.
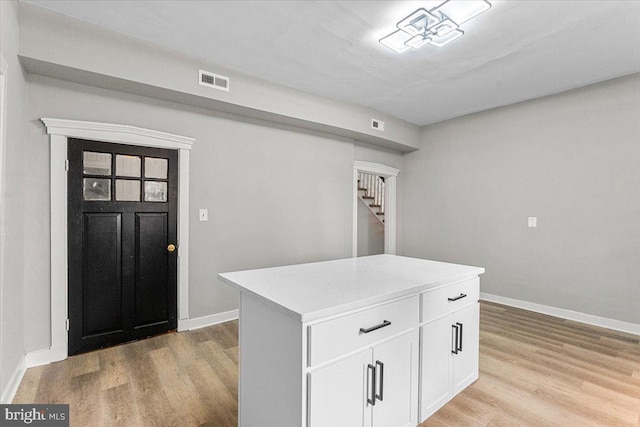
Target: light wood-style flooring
538, 370
176, 379
535, 370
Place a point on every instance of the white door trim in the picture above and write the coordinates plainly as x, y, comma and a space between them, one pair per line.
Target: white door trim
59, 131
3, 137
391, 177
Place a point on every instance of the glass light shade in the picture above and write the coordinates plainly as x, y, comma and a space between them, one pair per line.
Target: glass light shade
418, 41
446, 39
417, 22
462, 11
396, 41
443, 28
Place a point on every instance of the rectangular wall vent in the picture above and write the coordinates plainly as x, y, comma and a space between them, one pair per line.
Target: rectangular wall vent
377, 125
215, 81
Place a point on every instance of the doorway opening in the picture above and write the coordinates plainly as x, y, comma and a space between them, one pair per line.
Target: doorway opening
374, 209
371, 189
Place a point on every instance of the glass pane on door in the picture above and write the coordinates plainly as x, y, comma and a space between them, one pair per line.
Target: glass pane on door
155, 191
155, 168
128, 165
127, 190
96, 163
96, 189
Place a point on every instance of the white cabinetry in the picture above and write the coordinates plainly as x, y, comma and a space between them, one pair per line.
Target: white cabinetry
465, 362
337, 393
373, 388
341, 343
449, 344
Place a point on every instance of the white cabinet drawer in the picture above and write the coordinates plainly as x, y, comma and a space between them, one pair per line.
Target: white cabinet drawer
335, 337
449, 298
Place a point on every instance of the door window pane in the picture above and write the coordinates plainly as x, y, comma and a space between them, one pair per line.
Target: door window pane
96, 189
127, 190
127, 166
155, 191
96, 163
155, 168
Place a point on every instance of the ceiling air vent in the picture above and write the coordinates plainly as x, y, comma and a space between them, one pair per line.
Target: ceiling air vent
215, 81
377, 124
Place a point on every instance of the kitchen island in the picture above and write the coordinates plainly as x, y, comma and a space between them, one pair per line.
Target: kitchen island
351, 342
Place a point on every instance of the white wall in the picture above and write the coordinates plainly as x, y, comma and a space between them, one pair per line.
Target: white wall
12, 197
572, 160
276, 195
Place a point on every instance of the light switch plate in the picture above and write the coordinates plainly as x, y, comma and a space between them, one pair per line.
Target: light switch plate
204, 215
533, 221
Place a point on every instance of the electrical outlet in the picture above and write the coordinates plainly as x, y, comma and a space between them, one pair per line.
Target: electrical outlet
533, 221
204, 214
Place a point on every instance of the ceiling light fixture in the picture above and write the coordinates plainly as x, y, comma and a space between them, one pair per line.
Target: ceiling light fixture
437, 26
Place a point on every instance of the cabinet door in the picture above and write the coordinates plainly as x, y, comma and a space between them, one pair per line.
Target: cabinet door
396, 388
437, 343
338, 393
465, 363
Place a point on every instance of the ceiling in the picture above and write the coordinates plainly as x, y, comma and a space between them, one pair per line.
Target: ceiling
517, 50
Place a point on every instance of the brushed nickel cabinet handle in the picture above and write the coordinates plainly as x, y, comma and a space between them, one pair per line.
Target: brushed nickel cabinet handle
374, 328
381, 376
454, 339
371, 398
457, 298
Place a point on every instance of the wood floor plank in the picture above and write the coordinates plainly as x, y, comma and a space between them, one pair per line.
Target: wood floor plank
178, 386
119, 409
535, 370
87, 403
29, 385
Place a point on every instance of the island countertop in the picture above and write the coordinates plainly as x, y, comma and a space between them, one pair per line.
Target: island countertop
312, 291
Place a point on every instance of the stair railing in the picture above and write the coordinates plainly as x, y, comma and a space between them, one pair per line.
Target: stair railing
373, 186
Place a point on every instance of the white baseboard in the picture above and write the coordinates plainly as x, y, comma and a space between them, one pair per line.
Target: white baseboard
38, 358
58, 352
14, 382
213, 319
54, 354
45, 356
576, 316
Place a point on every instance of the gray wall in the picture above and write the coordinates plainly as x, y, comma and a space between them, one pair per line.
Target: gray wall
68, 49
12, 201
370, 232
572, 160
276, 195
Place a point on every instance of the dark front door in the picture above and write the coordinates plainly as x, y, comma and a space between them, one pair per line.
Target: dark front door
122, 235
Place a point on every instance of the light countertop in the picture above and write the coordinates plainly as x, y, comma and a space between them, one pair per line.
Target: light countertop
312, 291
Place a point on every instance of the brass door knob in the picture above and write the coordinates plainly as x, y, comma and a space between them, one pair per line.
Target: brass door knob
171, 247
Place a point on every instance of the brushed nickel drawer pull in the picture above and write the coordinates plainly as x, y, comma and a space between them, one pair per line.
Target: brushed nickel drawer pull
457, 298
373, 328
